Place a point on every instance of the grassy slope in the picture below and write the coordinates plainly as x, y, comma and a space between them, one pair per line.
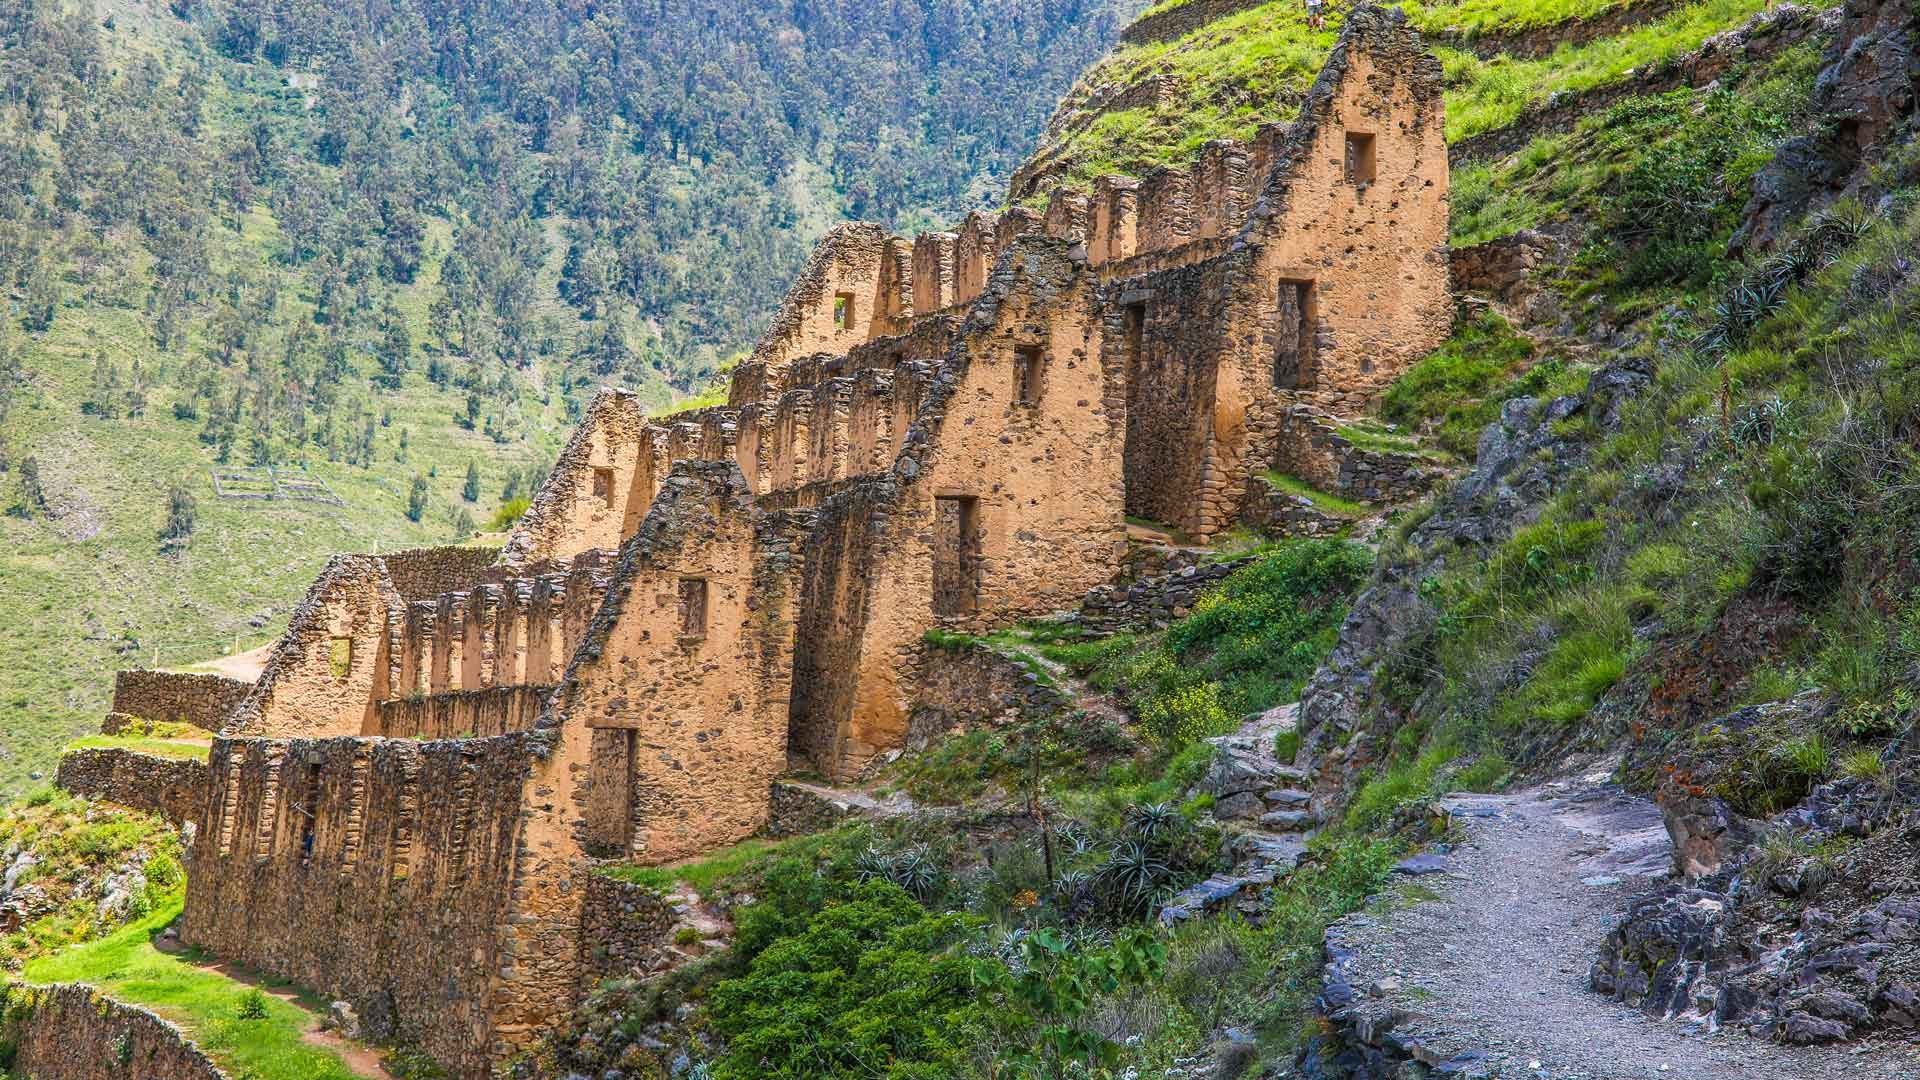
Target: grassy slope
214, 1009
1253, 67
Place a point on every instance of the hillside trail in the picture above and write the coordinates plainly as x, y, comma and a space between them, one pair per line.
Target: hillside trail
1487, 960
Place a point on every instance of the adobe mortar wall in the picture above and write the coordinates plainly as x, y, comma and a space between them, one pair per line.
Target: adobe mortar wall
176, 697
73, 1032
171, 788
394, 904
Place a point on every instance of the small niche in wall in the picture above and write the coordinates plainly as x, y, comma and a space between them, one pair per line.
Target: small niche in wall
603, 485
1360, 162
1029, 361
842, 310
340, 656
693, 607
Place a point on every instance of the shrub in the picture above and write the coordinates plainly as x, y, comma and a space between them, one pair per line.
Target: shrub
252, 1005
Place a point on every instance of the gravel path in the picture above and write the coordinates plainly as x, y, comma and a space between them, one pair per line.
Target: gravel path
1490, 956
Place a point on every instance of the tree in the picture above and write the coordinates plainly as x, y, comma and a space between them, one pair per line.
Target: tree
470, 491
33, 498
417, 498
182, 511
463, 526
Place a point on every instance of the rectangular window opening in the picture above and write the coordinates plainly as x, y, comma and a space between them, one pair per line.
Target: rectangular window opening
1028, 362
306, 810
956, 555
842, 310
1359, 158
1293, 337
340, 656
603, 486
693, 607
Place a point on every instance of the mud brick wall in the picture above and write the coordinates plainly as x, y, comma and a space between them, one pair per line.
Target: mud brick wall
623, 930
427, 572
172, 788
201, 700
378, 871
73, 1032
971, 685
464, 714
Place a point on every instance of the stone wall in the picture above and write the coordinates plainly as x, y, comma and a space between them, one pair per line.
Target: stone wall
623, 929
1312, 450
1279, 513
464, 714
588, 501
73, 1032
378, 871
1157, 586
968, 685
326, 671
172, 788
175, 697
420, 573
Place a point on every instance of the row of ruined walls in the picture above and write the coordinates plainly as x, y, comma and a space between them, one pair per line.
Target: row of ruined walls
511, 628
377, 869
461, 714
863, 285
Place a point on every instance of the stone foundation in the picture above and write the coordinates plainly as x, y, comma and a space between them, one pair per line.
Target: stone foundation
73, 1032
1312, 449
1158, 586
969, 685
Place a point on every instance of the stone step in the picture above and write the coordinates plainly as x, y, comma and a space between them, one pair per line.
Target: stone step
1288, 820
1293, 797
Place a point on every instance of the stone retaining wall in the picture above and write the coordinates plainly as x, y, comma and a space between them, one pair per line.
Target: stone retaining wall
970, 684
72, 1032
1156, 586
1311, 448
1283, 514
172, 788
1180, 21
201, 700
623, 930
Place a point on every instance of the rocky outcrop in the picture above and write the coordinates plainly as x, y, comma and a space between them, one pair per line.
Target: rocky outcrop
1811, 936
1865, 92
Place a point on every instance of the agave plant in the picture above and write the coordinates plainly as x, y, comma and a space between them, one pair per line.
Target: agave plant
1133, 875
1151, 820
915, 872
873, 864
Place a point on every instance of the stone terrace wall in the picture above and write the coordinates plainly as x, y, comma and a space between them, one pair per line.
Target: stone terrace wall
422, 573
201, 700
1311, 449
970, 685
1178, 22
172, 788
623, 929
73, 1032
378, 871
1156, 586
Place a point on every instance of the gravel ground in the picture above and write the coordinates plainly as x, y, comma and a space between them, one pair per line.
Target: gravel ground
1491, 955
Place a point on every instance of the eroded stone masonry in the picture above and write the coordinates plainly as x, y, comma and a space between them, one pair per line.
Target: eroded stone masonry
405, 811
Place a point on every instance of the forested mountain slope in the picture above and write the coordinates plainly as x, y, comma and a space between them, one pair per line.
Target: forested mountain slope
383, 247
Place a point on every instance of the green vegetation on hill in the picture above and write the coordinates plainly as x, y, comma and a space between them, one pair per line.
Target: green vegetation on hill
82, 870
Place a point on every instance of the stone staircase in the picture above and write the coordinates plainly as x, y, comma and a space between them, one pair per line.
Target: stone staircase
1266, 811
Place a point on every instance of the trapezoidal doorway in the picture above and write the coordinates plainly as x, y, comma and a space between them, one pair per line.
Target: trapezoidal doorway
956, 555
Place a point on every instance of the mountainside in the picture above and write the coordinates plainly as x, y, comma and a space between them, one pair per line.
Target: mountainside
373, 248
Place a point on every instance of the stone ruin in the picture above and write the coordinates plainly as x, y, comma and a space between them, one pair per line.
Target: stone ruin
407, 808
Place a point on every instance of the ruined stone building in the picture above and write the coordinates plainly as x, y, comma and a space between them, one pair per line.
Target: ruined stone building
947, 431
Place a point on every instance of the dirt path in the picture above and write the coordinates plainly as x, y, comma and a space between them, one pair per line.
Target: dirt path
1489, 958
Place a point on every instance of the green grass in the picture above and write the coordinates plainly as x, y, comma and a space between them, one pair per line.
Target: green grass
192, 749
708, 871
1474, 18
1379, 440
206, 1004
1450, 389
1326, 503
